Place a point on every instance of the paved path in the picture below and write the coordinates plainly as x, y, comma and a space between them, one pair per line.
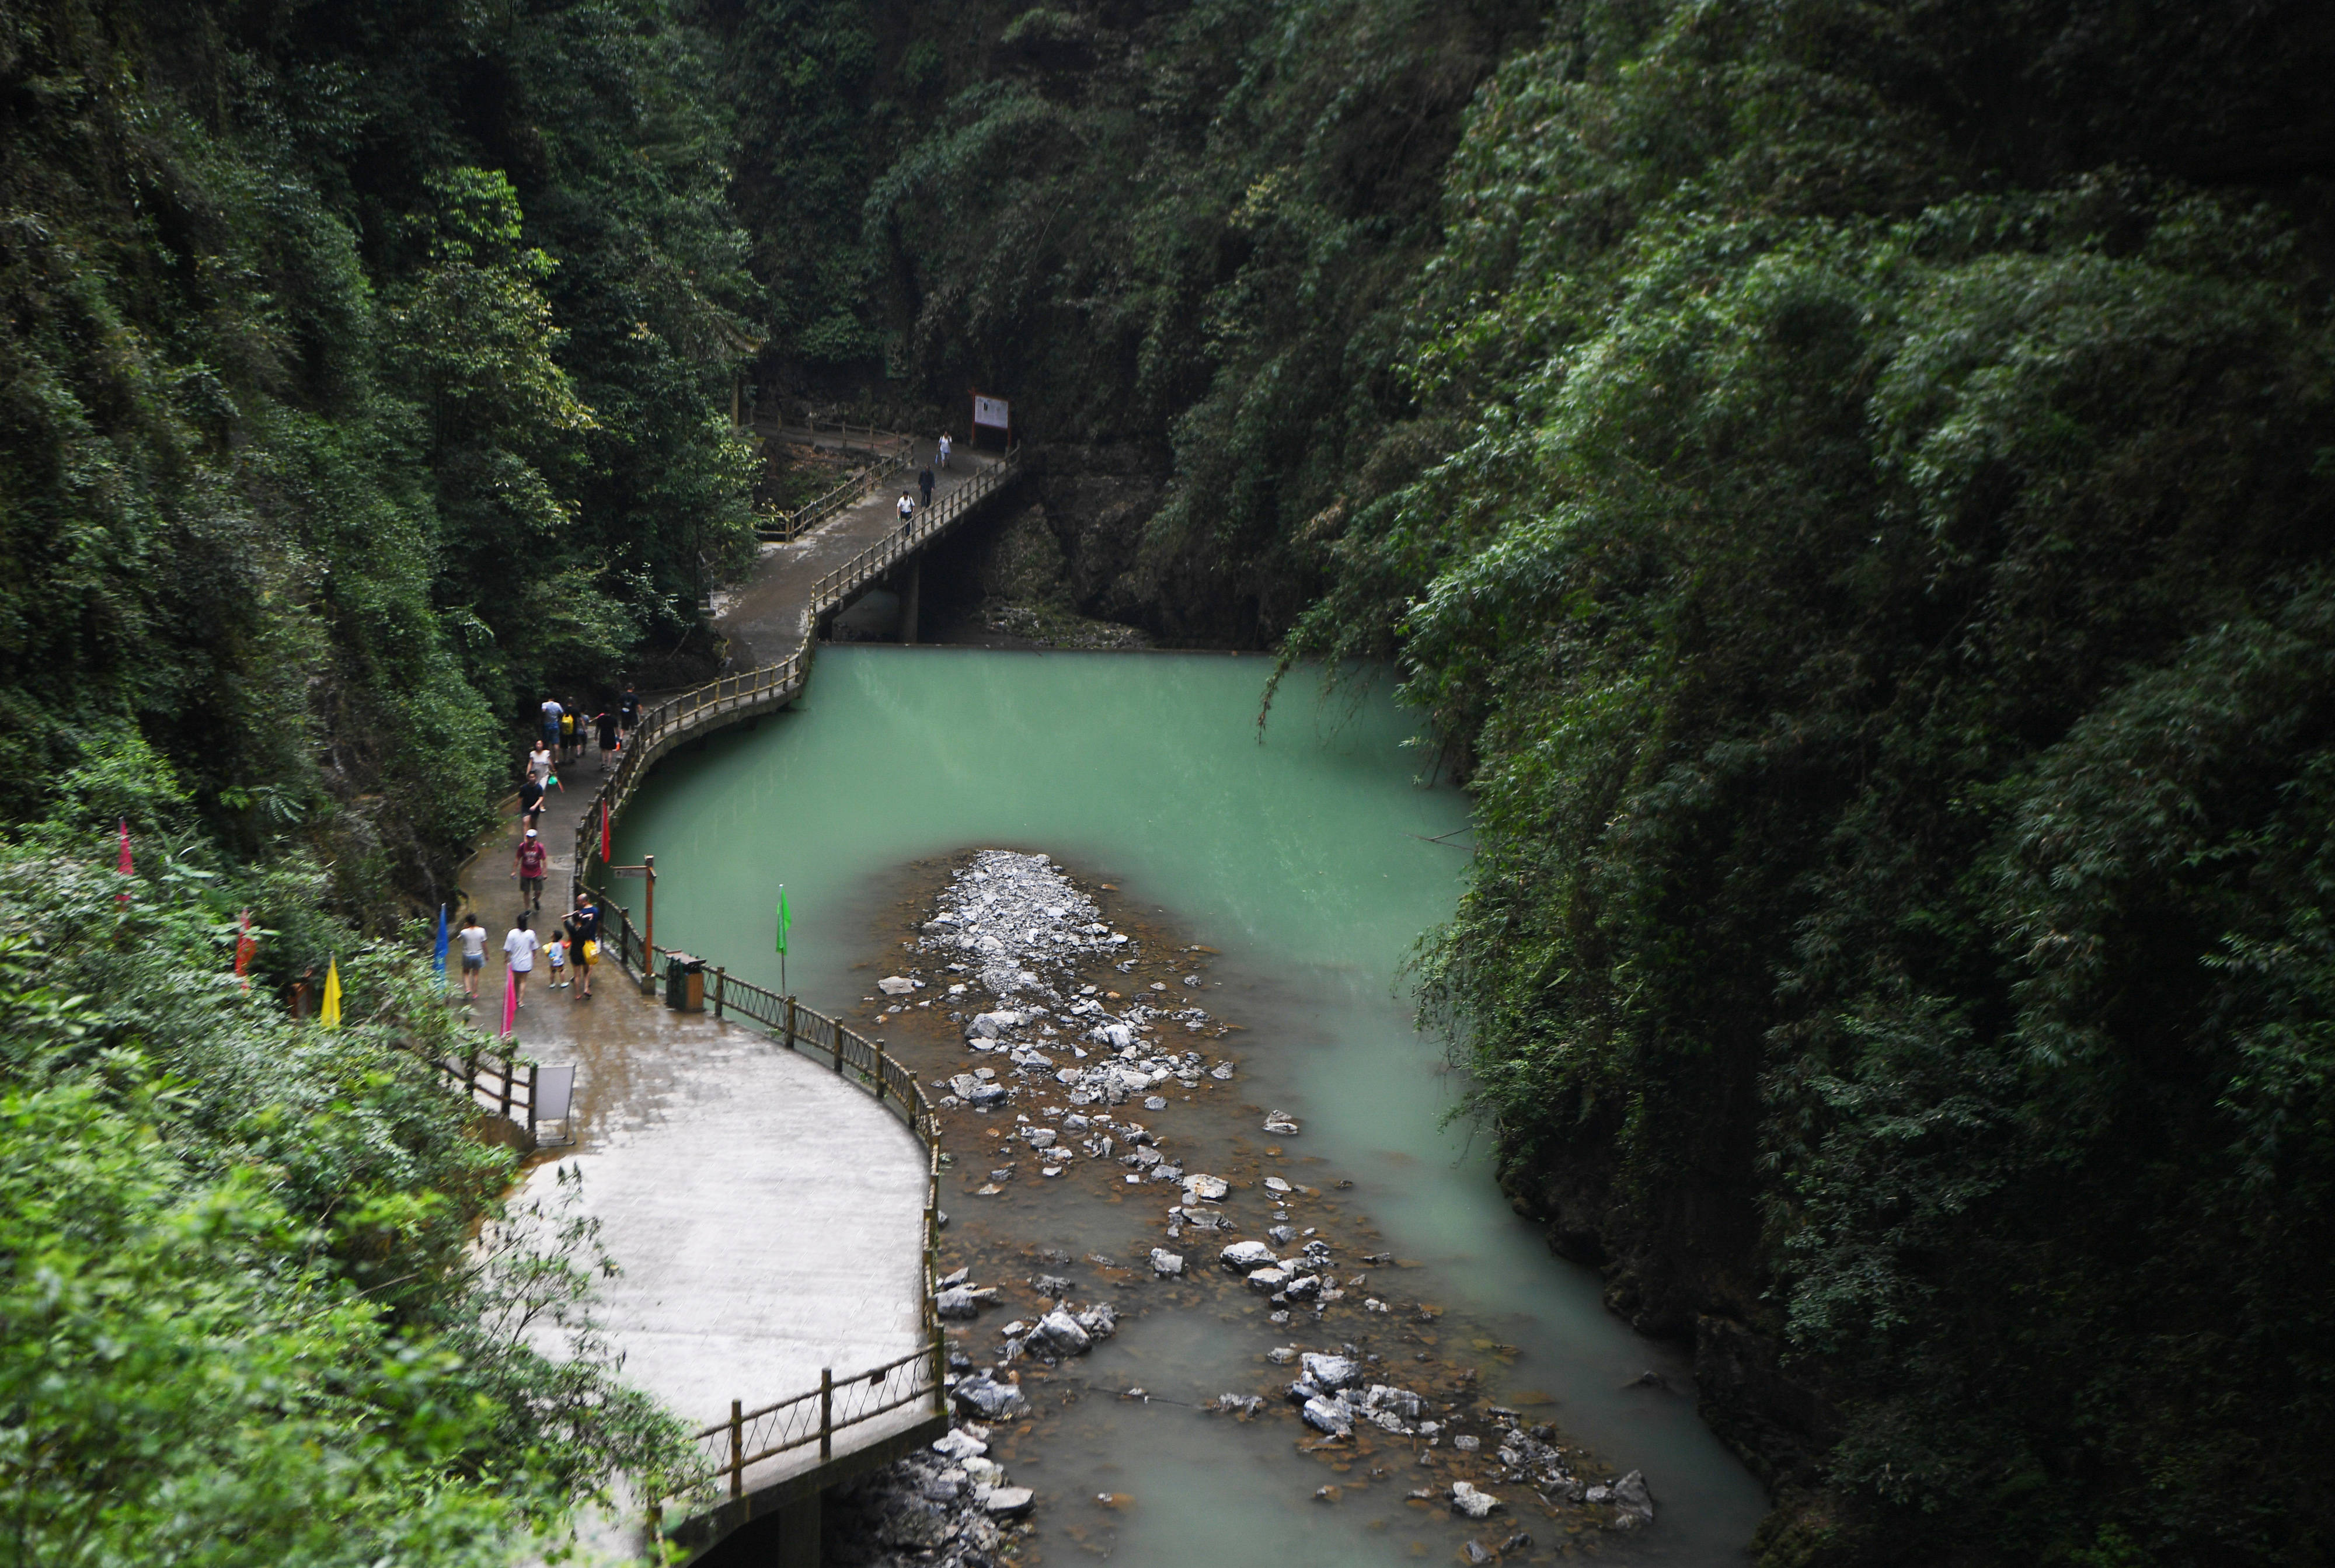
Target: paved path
769, 617
767, 1216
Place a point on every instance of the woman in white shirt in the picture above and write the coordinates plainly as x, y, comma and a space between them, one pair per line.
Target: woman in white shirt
518, 951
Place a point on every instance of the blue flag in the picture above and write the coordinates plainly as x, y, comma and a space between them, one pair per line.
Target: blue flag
439, 963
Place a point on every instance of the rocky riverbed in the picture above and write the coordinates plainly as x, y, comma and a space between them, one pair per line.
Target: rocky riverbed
1074, 1064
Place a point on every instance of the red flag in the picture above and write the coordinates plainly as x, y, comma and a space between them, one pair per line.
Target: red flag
245, 946
604, 832
123, 897
510, 1002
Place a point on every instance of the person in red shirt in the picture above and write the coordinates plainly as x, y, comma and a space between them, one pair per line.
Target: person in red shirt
529, 865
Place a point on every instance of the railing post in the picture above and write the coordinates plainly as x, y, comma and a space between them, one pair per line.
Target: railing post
940, 1371
838, 1045
507, 1066
719, 976
790, 1023
737, 1448
533, 1071
881, 1062
827, 1413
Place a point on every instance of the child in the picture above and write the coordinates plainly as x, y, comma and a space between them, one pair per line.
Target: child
558, 950
474, 956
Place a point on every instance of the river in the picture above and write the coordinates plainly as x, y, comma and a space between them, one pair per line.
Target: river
1310, 860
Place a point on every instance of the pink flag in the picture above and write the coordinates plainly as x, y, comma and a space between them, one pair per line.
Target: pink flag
510, 1002
124, 898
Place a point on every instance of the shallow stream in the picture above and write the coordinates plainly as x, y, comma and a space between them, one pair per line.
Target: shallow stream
1311, 863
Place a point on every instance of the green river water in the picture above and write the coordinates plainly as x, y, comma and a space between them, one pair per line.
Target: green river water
1307, 862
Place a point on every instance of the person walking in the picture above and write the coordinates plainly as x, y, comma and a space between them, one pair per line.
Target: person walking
944, 449
551, 712
528, 865
907, 511
583, 942
571, 729
474, 956
608, 738
628, 714
518, 952
539, 764
531, 801
924, 482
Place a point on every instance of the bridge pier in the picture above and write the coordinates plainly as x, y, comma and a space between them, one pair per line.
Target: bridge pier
912, 589
797, 1533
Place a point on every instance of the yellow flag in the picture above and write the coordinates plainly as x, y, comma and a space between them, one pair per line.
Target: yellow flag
329, 1015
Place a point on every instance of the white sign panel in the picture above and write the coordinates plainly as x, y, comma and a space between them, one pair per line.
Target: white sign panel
990, 411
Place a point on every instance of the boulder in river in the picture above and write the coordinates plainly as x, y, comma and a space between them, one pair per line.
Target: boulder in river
1061, 1333
1243, 1256
1009, 1502
895, 985
1632, 1503
1281, 1122
1474, 1504
960, 1443
1267, 1282
1165, 1264
1326, 1415
983, 1396
1201, 1186
1330, 1372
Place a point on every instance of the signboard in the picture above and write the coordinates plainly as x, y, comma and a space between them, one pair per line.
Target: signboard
630, 870
990, 411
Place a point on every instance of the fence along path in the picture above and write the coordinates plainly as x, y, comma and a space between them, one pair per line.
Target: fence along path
752, 1448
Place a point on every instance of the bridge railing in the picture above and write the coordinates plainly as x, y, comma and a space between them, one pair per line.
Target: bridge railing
880, 556
785, 527
768, 1431
750, 1438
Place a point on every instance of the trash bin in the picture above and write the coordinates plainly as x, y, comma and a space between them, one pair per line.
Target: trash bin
684, 983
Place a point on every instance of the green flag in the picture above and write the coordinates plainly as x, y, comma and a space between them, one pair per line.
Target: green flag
785, 919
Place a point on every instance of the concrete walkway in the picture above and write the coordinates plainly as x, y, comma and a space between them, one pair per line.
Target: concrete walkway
769, 617
767, 1216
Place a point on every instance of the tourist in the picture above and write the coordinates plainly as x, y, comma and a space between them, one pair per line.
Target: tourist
628, 713
529, 865
609, 740
944, 449
474, 956
531, 801
908, 510
518, 952
925, 481
539, 764
556, 951
551, 712
570, 729
583, 942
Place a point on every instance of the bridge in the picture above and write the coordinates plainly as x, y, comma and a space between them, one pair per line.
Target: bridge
767, 1176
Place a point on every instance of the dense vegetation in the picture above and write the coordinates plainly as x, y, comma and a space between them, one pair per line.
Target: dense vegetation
1851, 484
365, 371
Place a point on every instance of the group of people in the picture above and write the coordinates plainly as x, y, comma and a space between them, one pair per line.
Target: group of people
568, 727
573, 946
925, 480
571, 950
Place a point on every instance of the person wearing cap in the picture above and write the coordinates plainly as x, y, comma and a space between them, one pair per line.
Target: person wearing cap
528, 865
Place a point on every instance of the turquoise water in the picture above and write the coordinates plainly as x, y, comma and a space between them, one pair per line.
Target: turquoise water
1308, 862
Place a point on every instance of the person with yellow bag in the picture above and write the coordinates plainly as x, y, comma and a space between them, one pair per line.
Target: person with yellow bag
583, 942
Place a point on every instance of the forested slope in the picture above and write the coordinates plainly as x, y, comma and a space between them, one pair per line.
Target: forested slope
363, 371
1851, 486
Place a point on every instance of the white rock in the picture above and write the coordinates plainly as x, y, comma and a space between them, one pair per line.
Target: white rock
1466, 1499
1276, 1184
1062, 1332
1243, 1256
895, 985
1166, 1264
1332, 1417
1008, 1502
1197, 1186
1267, 1282
1329, 1371
960, 1444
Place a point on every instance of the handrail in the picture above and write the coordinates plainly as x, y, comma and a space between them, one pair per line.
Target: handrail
879, 556
851, 1054
792, 526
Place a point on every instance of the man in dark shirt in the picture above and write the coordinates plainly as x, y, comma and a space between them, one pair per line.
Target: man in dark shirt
926, 481
530, 802
628, 711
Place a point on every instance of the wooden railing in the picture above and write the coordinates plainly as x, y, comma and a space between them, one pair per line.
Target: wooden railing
504, 1085
880, 556
785, 526
750, 1437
